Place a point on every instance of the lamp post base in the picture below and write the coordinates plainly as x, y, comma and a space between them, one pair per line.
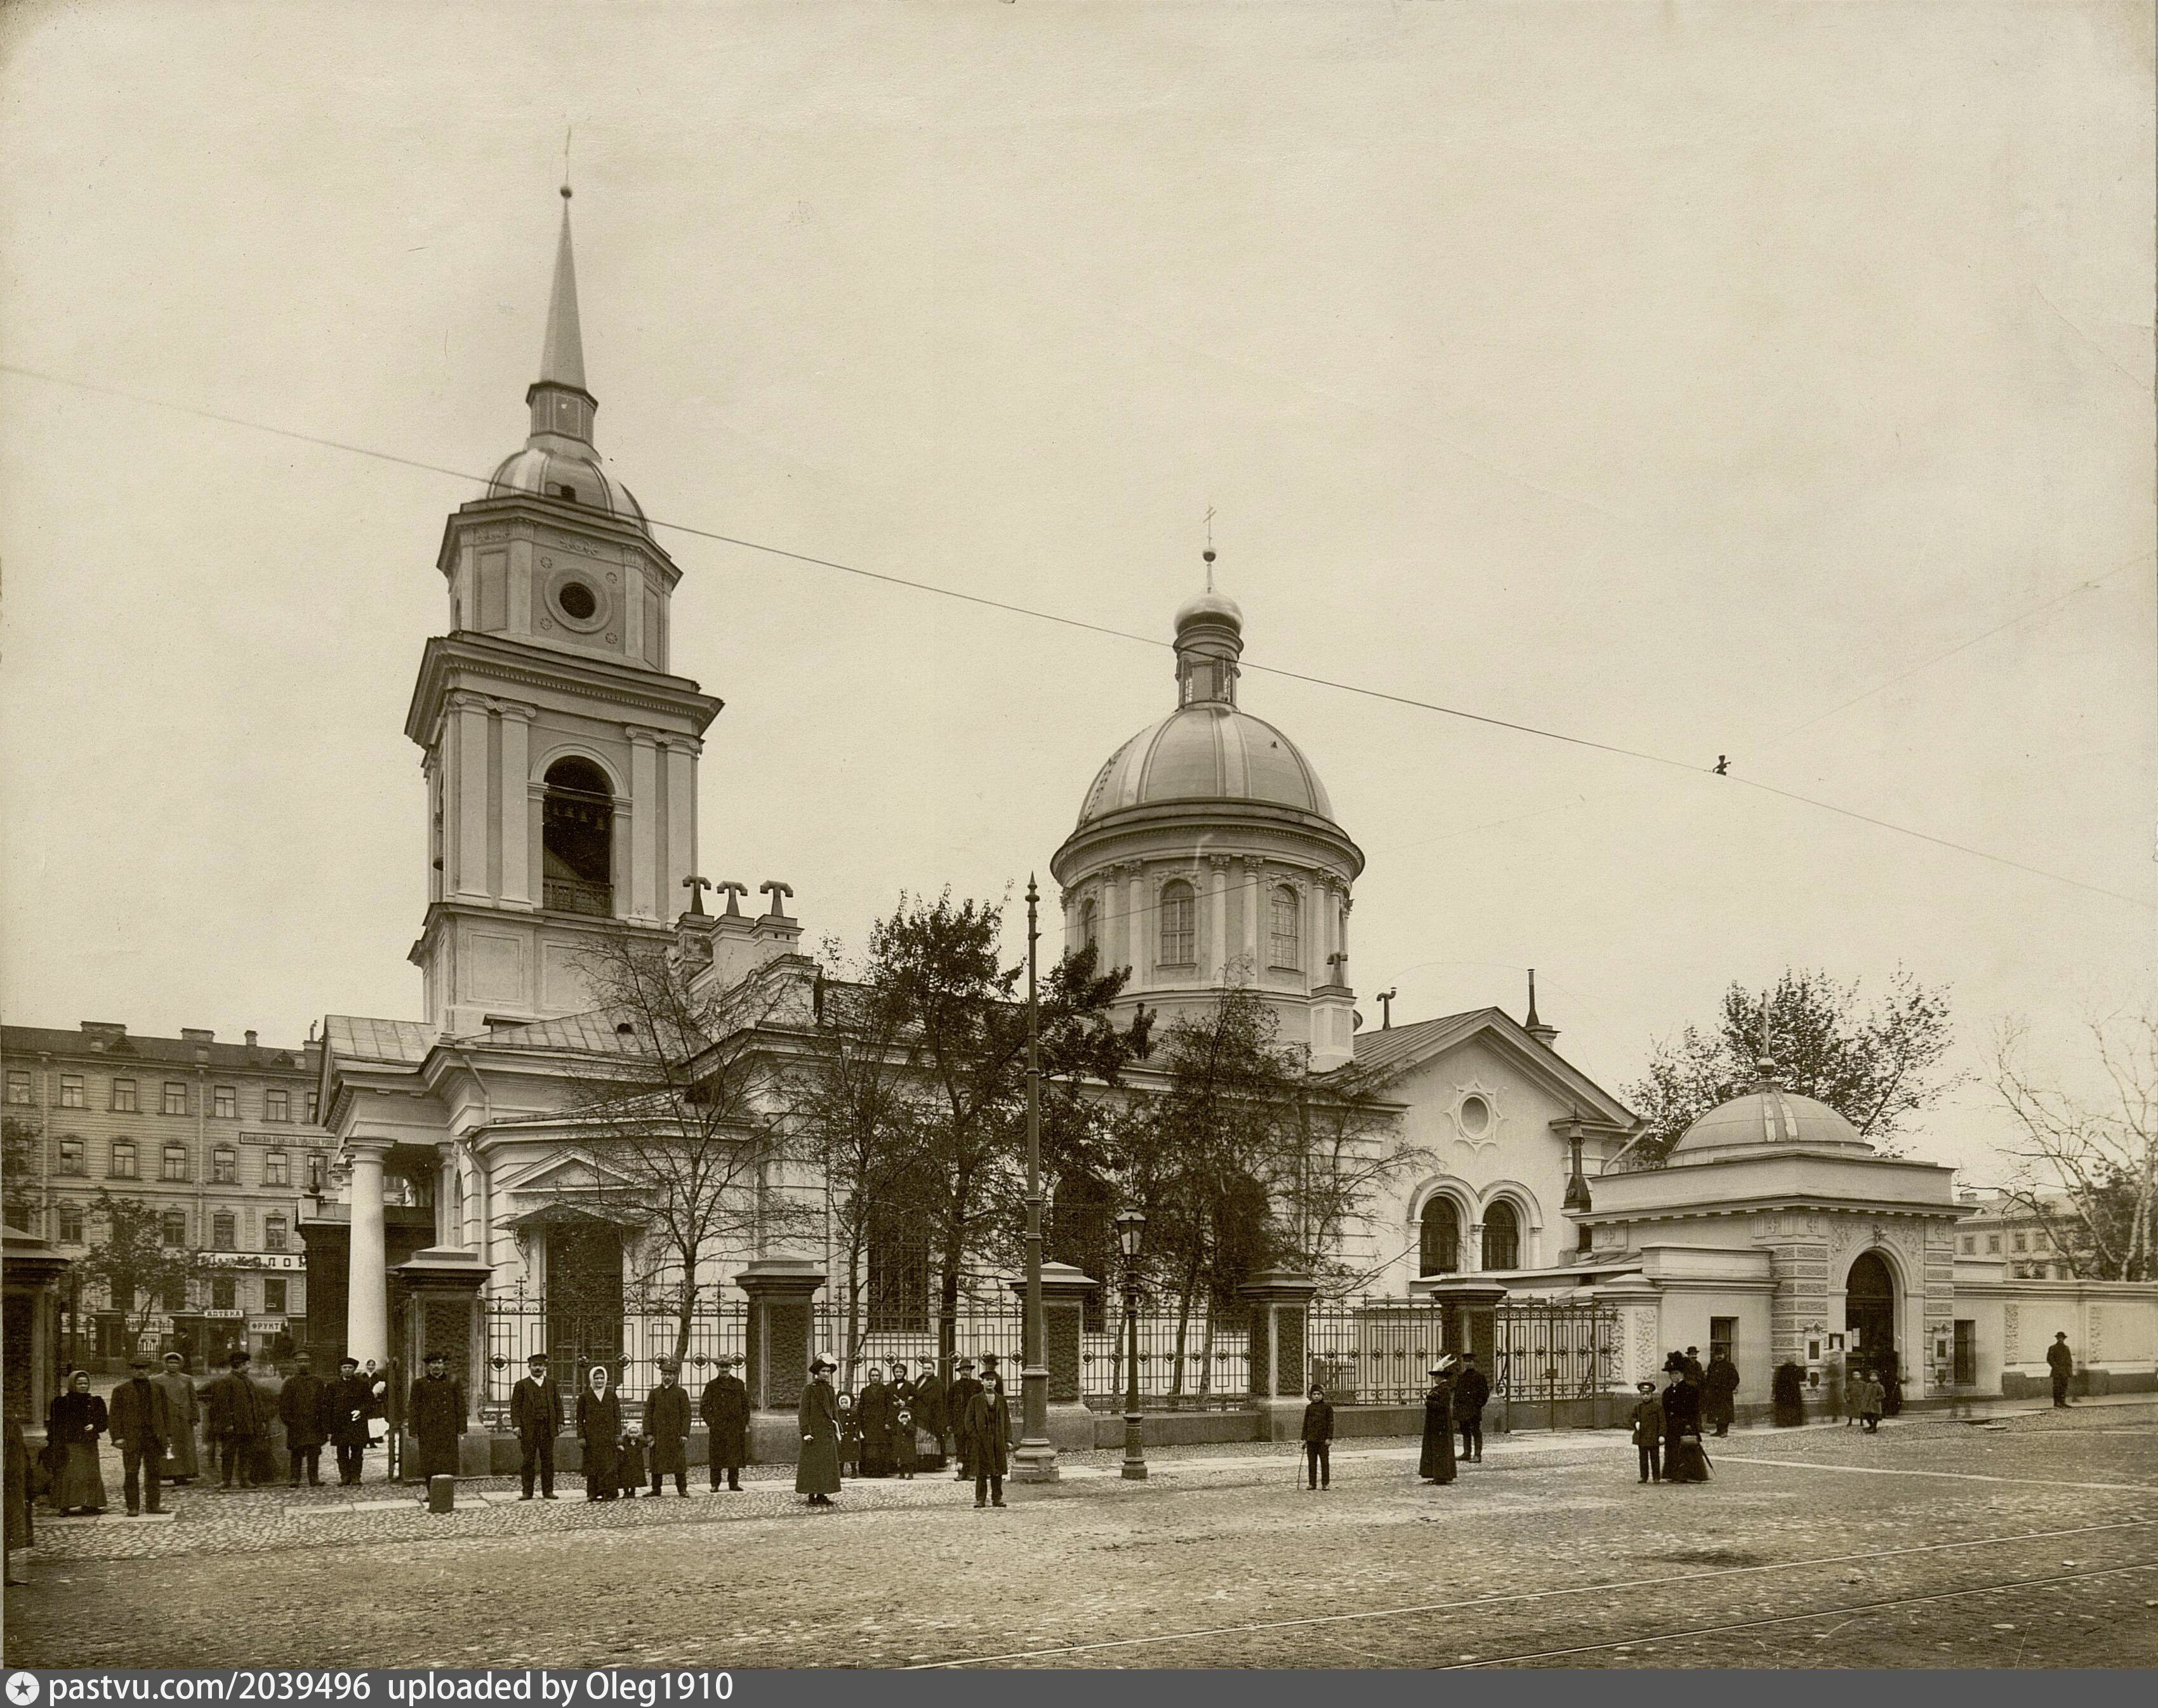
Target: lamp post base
1135, 1465
1034, 1461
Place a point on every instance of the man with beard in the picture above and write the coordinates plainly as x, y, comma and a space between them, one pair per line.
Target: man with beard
141, 1426
303, 1407
350, 1403
724, 1406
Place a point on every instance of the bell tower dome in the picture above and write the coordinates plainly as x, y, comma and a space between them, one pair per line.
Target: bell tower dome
561, 754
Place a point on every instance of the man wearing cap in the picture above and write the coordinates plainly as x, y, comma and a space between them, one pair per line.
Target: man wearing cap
349, 1403
537, 1414
724, 1406
667, 1427
182, 1412
984, 1433
816, 1469
239, 1416
1472, 1393
964, 1387
141, 1426
435, 1416
303, 1407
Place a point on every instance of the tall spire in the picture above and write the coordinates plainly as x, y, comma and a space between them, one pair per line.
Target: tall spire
561, 402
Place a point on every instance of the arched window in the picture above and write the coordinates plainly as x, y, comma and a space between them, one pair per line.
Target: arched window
1179, 937
1090, 924
576, 840
1502, 1237
1440, 1240
1286, 936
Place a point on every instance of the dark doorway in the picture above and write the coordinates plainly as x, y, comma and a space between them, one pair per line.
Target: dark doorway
584, 1297
576, 840
1869, 1309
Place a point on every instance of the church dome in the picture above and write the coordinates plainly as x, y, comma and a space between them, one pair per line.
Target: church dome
575, 474
1206, 751
1765, 1114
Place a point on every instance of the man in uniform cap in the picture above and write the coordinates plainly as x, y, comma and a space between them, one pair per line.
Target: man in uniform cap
667, 1427
436, 1418
301, 1404
537, 1414
351, 1404
239, 1420
724, 1406
964, 1387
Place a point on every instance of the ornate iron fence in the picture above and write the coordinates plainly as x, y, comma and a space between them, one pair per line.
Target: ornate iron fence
633, 1340
1379, 1351
1549, 1353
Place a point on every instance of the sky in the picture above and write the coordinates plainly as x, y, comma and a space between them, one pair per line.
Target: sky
1765, 381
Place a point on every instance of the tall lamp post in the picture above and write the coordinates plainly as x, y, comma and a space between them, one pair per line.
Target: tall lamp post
1034, 1460
1131, 1228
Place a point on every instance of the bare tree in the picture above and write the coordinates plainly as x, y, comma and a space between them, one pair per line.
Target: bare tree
2088, 1172
679, 1094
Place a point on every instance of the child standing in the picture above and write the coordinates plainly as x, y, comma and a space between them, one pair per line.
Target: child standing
1649, 1432
629, 1465
850, 1437
902, 1444
1318, 1439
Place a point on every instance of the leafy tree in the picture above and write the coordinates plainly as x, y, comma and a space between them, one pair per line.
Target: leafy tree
1875, 1064
2088, 1172
130, 1261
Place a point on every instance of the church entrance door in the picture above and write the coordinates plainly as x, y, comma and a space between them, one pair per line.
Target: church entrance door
1869, 1310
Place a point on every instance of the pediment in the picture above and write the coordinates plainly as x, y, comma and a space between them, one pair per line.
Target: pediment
1386, 1058
572, 1173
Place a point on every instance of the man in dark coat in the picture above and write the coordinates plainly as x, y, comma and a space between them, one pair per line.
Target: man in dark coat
1691, 1362
667, 1427
2061, 1362
303, 1408
985, 1435
1718, 1383
435, 1416
183, 1411
1318, 1439
239, 1422
875, 1409
930, 1412
1472, 1392
817, 1469
140, 1419
724, 1406
1435, 1463
537, 1414
964, 1387
1684, 1461
1888, 1371
348, 1404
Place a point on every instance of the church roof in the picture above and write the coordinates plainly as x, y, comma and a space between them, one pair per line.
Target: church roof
1210, 752
356, 1038
1386, 1054
1765, 1114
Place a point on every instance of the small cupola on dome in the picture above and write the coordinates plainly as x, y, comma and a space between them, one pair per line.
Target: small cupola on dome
1210, 639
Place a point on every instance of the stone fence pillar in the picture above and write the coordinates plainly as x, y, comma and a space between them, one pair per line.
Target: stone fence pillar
782, 1340
1063, 1291
1281, 1307
439, 1294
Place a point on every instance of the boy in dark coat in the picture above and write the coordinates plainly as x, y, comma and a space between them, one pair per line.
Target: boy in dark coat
436, 1418
851, 1437
667, 1427
537, 1414
1649, 1432
350, 1402
984, 1433
724, 1406
629, 1465
1318, 1439
140, 1421
303, 1407
1471, 1394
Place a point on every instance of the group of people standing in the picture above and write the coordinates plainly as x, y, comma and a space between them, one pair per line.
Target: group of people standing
1667, 1426
619, 1454
898, 1426
1459, 1392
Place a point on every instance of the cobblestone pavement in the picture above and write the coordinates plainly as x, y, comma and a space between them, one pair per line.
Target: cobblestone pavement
2029, 1540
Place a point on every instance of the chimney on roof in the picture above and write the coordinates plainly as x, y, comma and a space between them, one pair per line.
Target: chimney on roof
1545, 1036
101, 1033
197, 1035
250, 1040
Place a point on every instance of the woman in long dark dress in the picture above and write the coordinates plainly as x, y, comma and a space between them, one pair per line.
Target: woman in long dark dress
816, 1469
1435, 1464
72, 1425
599, 1428
1683, 1460
874, 1412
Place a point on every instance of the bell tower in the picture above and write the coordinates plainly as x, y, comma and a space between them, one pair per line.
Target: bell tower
560, 756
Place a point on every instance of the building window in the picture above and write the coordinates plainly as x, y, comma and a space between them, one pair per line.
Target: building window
276, 1106
273, 1233
174, 1297
176, 1098
899, 1274
2023, 1243
1439, 1242
72, 1158
123, 1159
313, 1098
1993, 1245
70, 1221
318, 1168
223, 1231
19, 1087
224, 1103
1723, 1337
224, 1293
276, 1169
71, 1092
576, 840
1966, 1352
172, 1228
123, 1097
1970, 1245
273, 1296
1502, 1237
1090, 933
174, 1165
1286, 936
1178, 932
224, 1166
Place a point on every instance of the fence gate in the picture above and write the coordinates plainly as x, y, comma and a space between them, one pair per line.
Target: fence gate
1552, 1359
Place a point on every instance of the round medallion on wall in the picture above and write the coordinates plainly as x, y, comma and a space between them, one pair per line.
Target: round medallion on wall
578, 602
1476, 1117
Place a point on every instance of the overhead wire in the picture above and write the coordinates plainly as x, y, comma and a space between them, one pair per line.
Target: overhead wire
1013, 608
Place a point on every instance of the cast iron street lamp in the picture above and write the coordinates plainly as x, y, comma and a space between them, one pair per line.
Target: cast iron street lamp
1131, 1226
1034, 1460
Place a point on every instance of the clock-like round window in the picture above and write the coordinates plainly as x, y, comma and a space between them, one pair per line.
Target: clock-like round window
1474, 1116
577, 600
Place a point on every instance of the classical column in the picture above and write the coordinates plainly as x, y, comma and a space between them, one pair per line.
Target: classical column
517, 803
1217, 952
367, 1278
1135, 912
644, 826
1257, 902
681, 820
